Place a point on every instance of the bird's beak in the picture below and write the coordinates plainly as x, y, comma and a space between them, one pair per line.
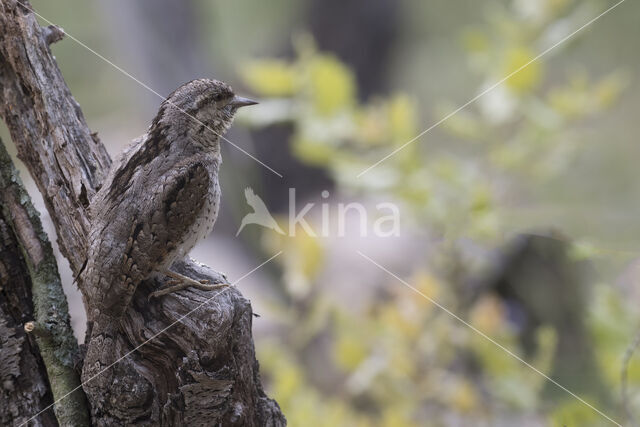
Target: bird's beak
239, 101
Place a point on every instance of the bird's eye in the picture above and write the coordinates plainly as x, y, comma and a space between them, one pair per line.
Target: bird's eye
218, 97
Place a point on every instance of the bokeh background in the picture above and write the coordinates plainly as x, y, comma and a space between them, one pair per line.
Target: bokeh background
518, 213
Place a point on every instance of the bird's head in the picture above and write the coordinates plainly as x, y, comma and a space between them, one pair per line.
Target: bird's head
201, 105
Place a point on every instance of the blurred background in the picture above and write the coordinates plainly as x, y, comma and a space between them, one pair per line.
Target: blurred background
518, 213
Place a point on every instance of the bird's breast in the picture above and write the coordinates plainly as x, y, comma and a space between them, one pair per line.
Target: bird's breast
203, 223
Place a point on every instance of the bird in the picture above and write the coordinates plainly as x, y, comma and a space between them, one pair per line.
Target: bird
260, 214
159, 200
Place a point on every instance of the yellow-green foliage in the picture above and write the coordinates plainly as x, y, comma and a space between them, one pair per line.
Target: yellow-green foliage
398, 360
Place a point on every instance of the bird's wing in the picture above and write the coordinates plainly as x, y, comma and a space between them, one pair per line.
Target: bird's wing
248, 193
144, 237
254, 201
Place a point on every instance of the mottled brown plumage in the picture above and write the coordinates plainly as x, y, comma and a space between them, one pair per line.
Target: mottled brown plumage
156, 203
160, 199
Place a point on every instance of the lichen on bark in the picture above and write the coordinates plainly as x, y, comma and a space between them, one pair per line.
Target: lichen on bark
56, 343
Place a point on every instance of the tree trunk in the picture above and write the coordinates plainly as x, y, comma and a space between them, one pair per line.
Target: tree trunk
200, 370
24, 389
34, 293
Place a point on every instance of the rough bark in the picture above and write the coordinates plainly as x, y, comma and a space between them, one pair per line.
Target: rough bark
50, 323
199, 371
24, 389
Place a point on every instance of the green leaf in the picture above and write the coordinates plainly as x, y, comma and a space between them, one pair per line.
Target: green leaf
270, 77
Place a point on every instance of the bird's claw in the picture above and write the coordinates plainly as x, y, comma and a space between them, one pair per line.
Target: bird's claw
179, 282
